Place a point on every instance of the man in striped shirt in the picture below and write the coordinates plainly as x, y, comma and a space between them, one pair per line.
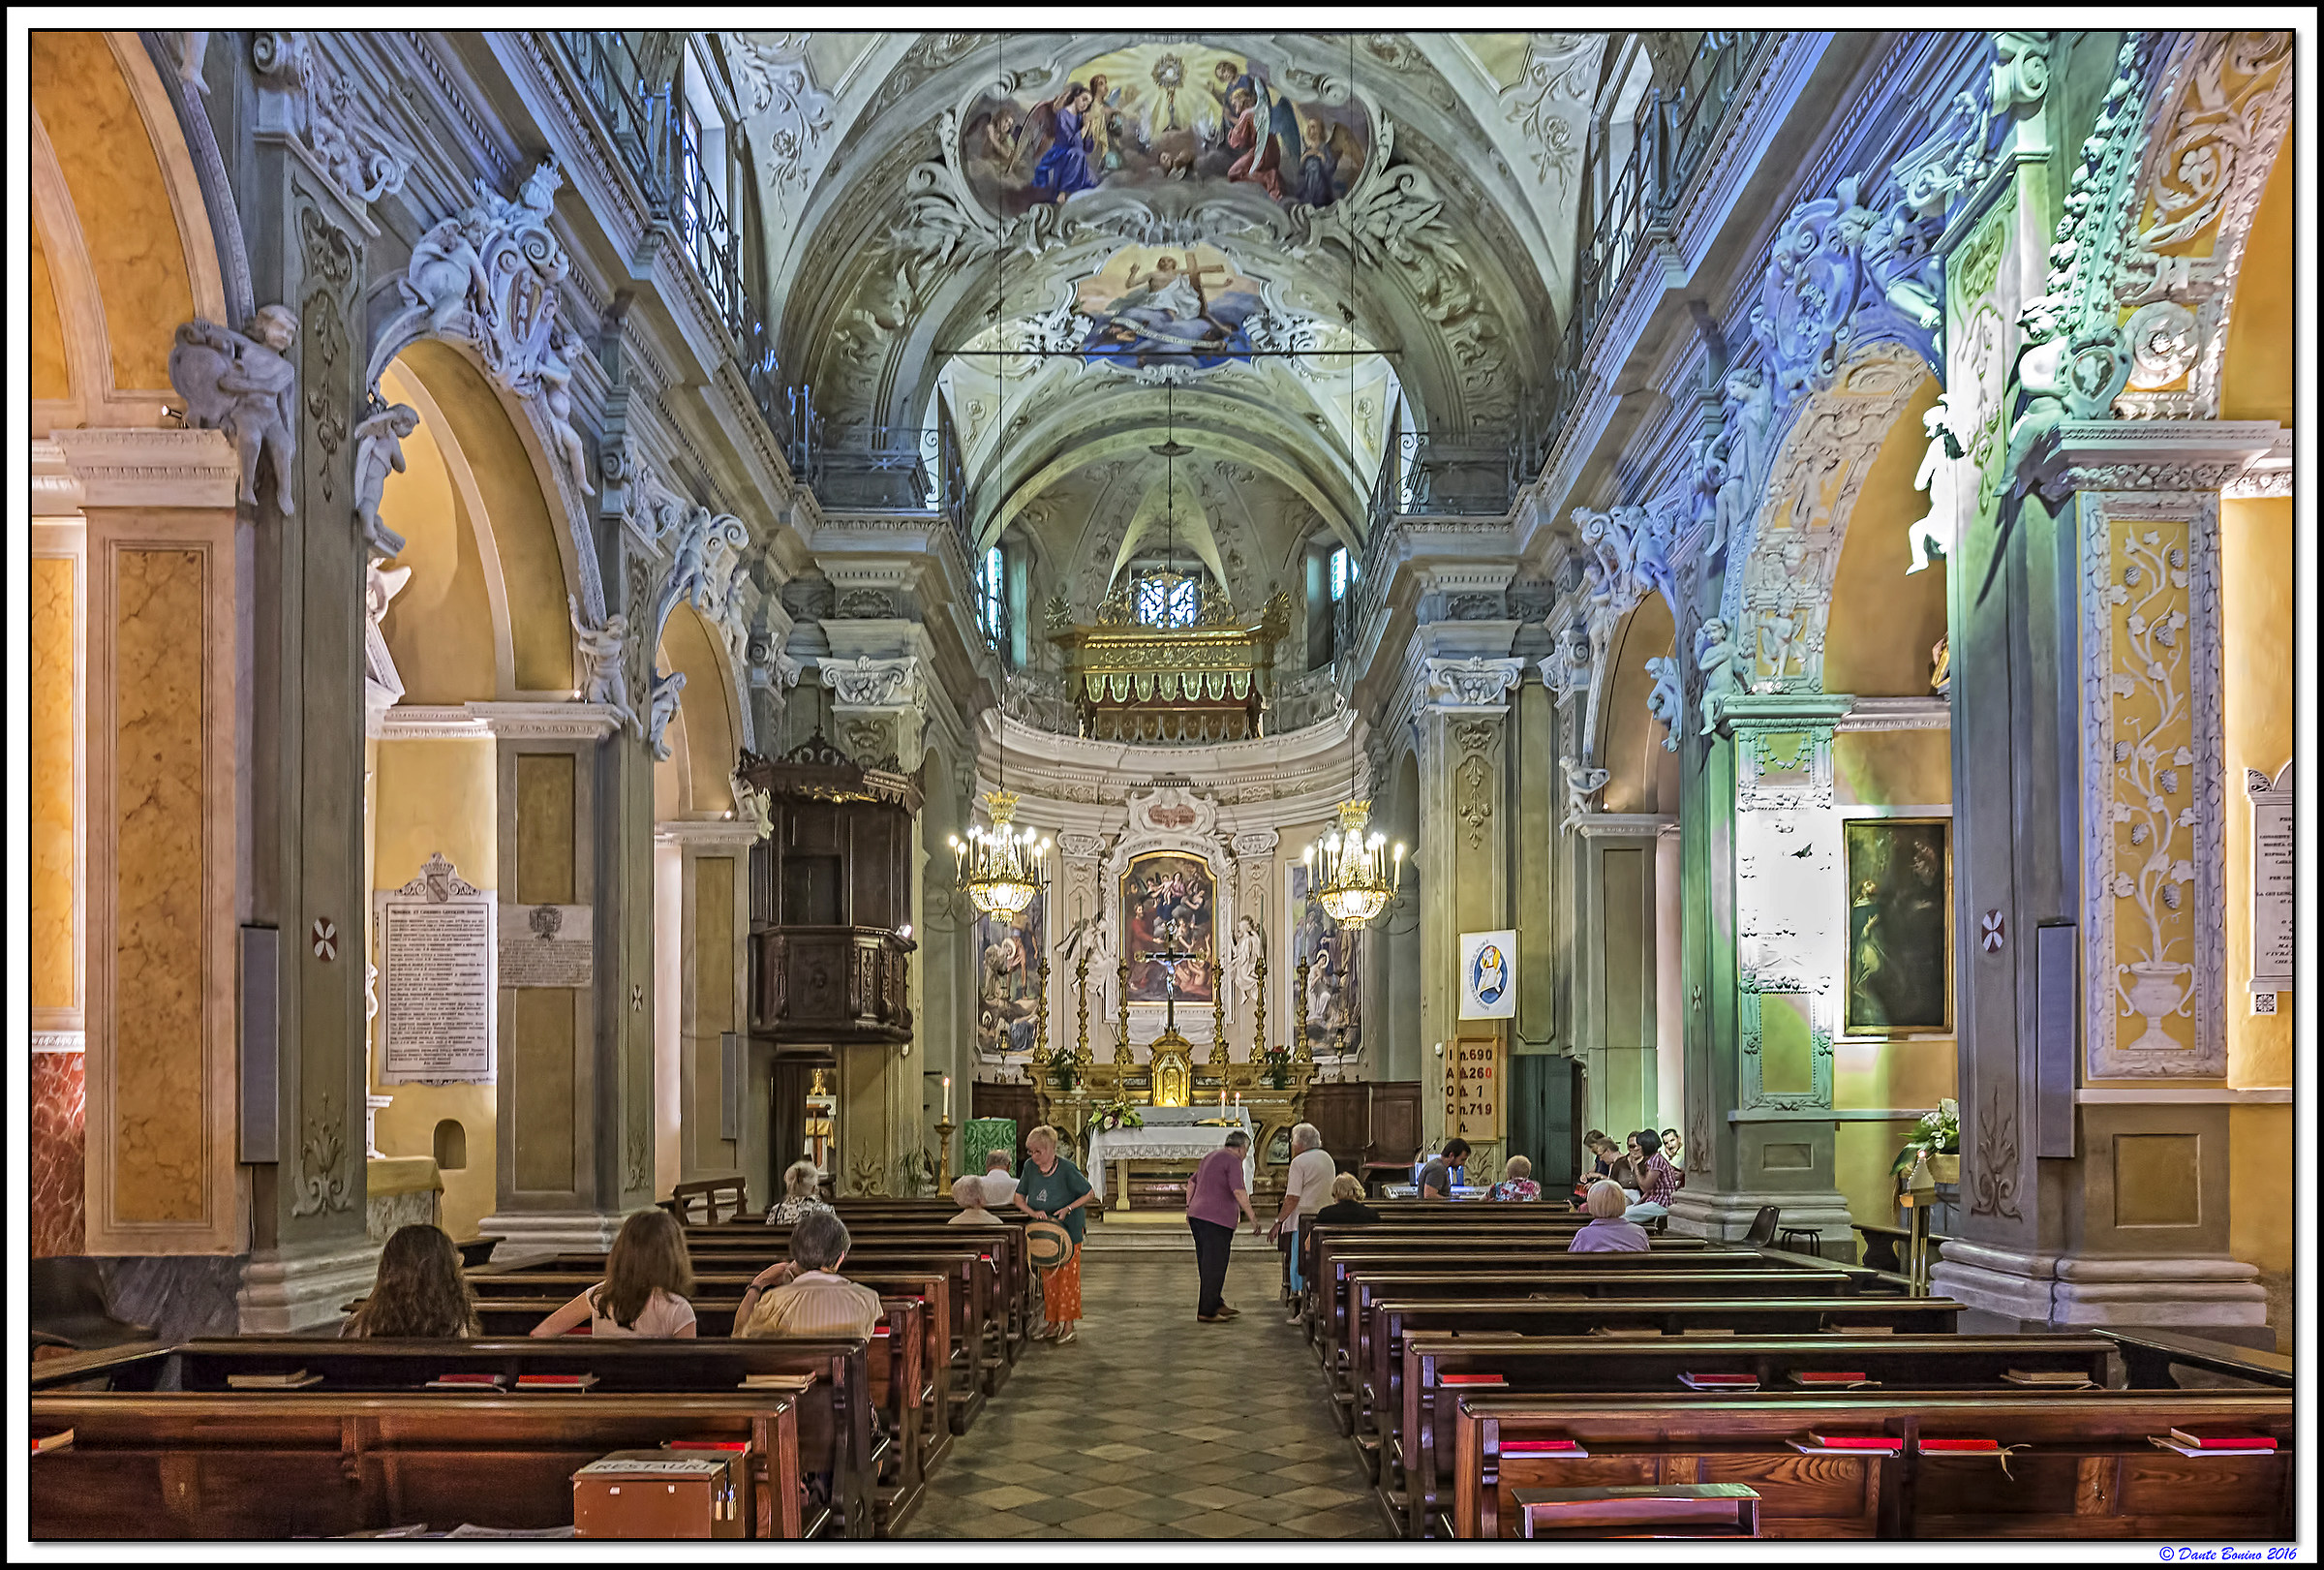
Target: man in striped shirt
809, 1300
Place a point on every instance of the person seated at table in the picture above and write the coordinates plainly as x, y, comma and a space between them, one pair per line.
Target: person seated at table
648, 1274
420, 1290
1517, 1180
1347, 1203
1446, 1171
799, 1196
968, 1193
1607, 1232
809, 1298
1000, 1182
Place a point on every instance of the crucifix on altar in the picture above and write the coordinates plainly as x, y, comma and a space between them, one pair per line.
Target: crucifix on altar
1168, 960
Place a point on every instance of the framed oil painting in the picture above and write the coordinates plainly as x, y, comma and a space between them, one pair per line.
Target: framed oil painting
1334, 954
1008, 1002
1168, 906
1900, 926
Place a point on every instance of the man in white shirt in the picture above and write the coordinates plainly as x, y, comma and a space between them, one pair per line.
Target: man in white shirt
1306, 1191
999, 1182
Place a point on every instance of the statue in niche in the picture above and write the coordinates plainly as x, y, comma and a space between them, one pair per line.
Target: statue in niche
379, 453
1668, 699
1720, 660
663, 706
605, 677
1930, 537
242, 383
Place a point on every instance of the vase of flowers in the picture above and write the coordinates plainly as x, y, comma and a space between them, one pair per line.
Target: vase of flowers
1060, 1064
1106, 1117
1276, 1065
1936, 1139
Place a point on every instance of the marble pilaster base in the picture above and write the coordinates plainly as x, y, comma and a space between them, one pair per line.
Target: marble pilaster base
578, 1232
1723, 1215
2044, 1289
286, 1291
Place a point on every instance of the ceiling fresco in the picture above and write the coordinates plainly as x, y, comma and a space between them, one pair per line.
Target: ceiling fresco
1075, 246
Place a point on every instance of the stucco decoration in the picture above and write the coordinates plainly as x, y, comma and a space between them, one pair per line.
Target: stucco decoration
1472, 684
706, 570
600, 661
2153, 804
383, 685
662, 708
792, 114
865, 682
348, 138
242, 383
489, 276
1581, 783
379, 453
1628, 557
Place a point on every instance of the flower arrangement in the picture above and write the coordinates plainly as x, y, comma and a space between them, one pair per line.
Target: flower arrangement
1108, 1116
1938, 1134
1276, 1065
1060, 1064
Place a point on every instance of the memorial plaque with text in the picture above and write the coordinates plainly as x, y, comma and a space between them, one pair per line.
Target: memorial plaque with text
545, 945
437, 1005
2272, 880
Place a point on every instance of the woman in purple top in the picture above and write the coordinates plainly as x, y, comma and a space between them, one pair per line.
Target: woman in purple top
1218, 1194
1606, 1233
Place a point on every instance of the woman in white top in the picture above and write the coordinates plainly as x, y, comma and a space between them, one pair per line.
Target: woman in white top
968, 1193
1306, 1189
648, 1274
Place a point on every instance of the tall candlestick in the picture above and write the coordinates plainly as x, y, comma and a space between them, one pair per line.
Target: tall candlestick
948, 1098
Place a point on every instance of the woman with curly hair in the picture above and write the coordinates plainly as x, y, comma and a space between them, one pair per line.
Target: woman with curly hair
419, 1291
648, 1274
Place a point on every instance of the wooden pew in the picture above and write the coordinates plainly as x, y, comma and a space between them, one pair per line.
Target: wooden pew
2147, 1355
712, 1198
2088, 1470
1416, 1450
318, 1463
1390, 1321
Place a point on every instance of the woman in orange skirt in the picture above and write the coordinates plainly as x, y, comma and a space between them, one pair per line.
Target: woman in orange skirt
1055, 1189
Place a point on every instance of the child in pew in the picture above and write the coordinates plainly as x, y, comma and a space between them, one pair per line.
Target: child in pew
420, 1290
648, 1274
968, 1193
1607, 1232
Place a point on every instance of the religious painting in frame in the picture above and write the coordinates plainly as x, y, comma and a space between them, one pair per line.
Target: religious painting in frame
1899, 969
1169, 906
1008, 970
1334, 954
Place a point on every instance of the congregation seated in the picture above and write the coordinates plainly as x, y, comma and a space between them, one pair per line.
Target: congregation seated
1000, 1182
968, 1193
799, 1196
420, 1291
1656, 1179
808, 1297
1609, 1231
648, 1277
1347, 1203
1517, 1180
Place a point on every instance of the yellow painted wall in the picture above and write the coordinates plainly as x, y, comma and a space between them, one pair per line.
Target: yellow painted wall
2263, 329
2257, 578
51, 375
531, 567
1884, 620
54, 943
712, 747
128, 224
431, 796
439, 629
1644, 774
2260, 1219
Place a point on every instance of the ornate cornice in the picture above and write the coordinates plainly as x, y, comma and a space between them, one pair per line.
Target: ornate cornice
147, 467
482, 722
707, 834
1873, 714
2167, 454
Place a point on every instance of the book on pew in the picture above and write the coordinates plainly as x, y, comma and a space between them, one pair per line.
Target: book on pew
296, 1380
61, 1439
1849, 1444
2048, 1378
1835, 1379
554, 1381
1718, 1381
2208, 1439
1562, 1449
1472, 1379
469, 1381
1959, 1447
1627, 1333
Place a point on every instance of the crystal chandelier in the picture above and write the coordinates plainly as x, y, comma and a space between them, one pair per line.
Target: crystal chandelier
1359, 876
1001, 868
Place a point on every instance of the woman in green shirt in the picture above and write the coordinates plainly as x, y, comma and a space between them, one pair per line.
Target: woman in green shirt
1055, 1189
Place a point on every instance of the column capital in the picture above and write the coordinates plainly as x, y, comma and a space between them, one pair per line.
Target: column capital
1475, 684
2175, 454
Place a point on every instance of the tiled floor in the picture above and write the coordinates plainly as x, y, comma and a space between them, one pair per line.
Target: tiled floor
1152, 1425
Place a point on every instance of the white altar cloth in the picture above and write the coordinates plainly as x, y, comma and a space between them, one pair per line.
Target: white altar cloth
1169, 1132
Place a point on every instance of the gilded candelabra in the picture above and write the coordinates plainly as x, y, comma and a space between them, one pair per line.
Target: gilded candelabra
1299, 1015
1218, 1023
1121, 1024
1041, 1008
1081, 984
1259, 1011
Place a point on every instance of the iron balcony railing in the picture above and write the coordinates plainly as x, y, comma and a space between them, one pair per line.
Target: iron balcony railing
636, 109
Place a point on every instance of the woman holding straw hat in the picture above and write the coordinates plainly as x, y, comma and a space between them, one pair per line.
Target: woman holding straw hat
1053, 1190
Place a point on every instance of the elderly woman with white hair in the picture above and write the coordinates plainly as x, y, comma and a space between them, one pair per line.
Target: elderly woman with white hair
968, 1193
799, 1196
1052, 1188
1517, 1180
1306, 1189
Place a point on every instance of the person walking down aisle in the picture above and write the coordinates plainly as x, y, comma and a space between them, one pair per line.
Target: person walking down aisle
1214, 1199
1053, 1190
1306, 1187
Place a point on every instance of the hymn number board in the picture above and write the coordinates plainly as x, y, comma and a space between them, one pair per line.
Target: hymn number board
1476, 1085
